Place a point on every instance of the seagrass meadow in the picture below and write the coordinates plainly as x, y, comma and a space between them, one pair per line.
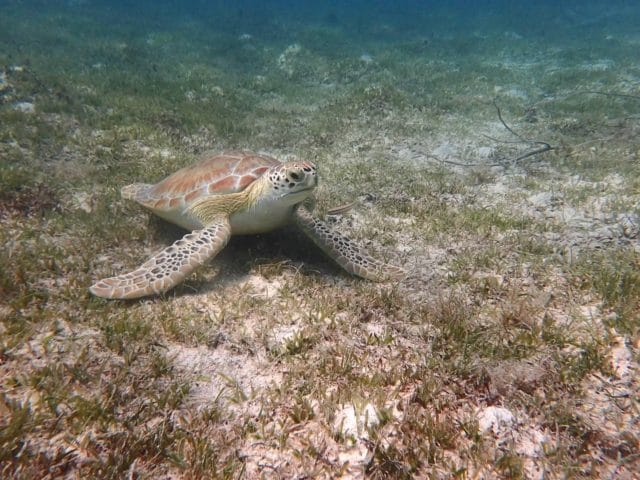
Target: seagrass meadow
493, 158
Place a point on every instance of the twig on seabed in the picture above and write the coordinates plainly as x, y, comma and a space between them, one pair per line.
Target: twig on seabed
608, 94
544, 147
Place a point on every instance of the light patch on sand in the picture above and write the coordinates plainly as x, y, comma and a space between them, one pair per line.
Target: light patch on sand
283, 335
508, 429
495, 419
353, 422
590, 312
354, 459
262, 287
221, 373
621, 359
24, 107
287, 58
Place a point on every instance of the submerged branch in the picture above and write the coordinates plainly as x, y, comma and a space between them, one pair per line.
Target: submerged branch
620, 95
460, 164
543, 146
504, 124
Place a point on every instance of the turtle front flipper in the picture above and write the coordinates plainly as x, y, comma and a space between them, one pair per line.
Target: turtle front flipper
347, 253
169, 267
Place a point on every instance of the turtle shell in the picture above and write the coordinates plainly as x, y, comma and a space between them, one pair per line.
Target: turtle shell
219, 174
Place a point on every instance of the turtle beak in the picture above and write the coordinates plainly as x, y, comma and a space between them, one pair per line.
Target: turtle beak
304, 192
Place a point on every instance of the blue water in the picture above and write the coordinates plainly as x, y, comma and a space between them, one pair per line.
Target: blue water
408, 44
566, 20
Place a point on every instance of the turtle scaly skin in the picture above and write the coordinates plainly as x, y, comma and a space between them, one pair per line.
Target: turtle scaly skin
168, 268
346, 253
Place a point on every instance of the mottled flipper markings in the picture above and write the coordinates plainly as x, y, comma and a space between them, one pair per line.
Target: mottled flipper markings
347, 253
169, 267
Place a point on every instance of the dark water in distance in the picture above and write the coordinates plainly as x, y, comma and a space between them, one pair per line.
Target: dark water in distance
362, 18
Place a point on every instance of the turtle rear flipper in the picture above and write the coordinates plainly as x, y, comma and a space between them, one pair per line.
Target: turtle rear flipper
135, 191
169, 267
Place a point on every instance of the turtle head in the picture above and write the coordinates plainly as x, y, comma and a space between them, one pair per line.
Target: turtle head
291, 182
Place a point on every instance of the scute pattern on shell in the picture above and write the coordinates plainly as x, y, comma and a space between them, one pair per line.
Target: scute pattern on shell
228, 172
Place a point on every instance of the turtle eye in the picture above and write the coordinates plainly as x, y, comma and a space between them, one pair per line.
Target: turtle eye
295, 175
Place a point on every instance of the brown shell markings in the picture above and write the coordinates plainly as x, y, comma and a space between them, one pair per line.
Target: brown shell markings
227, 172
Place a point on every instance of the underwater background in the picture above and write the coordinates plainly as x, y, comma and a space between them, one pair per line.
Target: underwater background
490, 148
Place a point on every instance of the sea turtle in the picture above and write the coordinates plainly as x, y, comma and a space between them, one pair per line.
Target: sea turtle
238, 192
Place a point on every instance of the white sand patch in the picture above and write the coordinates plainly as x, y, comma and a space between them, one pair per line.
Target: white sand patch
287, 58
590, 312
355, 459
601, 65
513, 92
508, 429
24, 107
530, 443
83, 201
261, 287
485, 152
496, 419
446, 150
621, 359
352, 422
4, 83
285, 333
221, 373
